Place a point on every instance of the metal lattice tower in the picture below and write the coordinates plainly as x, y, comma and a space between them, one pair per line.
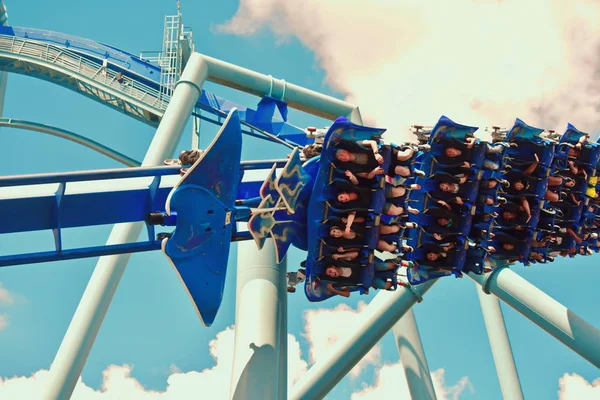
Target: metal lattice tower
176, 49
170, 59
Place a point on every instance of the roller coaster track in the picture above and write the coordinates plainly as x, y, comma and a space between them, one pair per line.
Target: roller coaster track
104, 84
68, 69
73, 137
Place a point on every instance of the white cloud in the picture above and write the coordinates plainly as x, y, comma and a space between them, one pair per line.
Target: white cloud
296, 365
453, 392
23, 387
324, 327
391, 379
6, 297
575, 387
118, 383
479, 62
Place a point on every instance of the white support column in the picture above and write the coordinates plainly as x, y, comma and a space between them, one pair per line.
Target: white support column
544, 311
3, 83
86, 322
500, 344
256, 372
413, 358
3, 74
297, 97
283, 332
381, 314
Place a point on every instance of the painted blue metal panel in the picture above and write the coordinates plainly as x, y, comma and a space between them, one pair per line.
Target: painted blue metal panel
291, 181
35, 213
290, 190
520, 130
204, 201
572, 134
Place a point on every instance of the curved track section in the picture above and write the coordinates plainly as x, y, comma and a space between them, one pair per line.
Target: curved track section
131, 65
73, 137
115, 78
3, 74
75, 72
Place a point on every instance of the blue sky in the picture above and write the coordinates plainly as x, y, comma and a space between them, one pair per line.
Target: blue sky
151, 324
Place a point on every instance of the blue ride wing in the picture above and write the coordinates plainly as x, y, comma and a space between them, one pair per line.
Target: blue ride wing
284, 234
204, 202
285, 227
261, 223
289, 230
269, 186
292, 180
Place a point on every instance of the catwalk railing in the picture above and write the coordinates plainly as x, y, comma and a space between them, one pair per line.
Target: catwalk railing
104, 78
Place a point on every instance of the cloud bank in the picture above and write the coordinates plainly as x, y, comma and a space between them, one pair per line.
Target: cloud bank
480, 62
118, 382
391, 379
575, 387
323, 327
6, 299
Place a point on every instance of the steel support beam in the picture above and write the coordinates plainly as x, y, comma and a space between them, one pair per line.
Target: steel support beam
119, 173
257, 355
544, 311
412, 357
380, 316
510, 385
283, 332
297, 97
90, 313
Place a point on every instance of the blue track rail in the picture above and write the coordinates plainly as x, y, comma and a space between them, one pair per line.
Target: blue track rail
265, 118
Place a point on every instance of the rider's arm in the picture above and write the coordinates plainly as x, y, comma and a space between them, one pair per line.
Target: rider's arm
350, 220
525, 205
532, 167
351, 177
344, 292
372, 144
